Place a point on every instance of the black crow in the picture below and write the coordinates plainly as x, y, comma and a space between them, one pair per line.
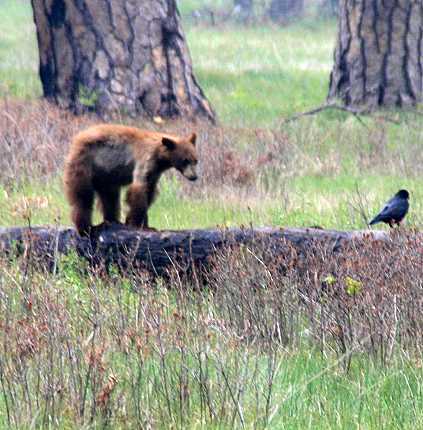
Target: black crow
394, 210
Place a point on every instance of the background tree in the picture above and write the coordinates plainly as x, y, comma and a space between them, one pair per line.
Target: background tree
328, 7
127, 55
379, 53
285, 10
243, 10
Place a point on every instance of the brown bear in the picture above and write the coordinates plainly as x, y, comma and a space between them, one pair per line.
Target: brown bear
105, 157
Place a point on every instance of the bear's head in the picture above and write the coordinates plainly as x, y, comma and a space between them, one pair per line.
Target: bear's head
182, 155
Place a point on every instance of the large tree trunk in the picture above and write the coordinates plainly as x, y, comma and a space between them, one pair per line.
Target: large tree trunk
378, 56
127, 55
282, 11
186, 250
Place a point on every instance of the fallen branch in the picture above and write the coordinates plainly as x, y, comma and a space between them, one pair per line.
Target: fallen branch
356, 112
158, 251
328, 106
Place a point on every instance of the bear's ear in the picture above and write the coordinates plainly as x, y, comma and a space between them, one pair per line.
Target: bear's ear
193, 138
169, 143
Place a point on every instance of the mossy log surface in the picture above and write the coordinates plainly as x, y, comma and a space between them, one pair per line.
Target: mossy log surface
161, 250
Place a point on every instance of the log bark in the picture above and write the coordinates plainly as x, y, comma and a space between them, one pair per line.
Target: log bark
378, 54
158, 251
121, 56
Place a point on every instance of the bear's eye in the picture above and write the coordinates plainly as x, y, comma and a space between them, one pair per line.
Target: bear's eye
186, 162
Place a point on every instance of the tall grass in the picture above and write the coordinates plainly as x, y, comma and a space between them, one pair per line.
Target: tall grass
260, 344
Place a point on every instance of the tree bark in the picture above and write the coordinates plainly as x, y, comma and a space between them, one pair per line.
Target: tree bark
243, 10
281, 11
379, 53
158, 251
127, 56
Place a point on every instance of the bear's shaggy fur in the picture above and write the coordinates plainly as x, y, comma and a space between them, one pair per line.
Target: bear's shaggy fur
105, 157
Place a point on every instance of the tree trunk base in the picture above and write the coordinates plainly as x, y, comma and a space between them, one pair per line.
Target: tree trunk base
127, 57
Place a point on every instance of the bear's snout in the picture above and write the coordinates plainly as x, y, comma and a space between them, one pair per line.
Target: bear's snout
190, 172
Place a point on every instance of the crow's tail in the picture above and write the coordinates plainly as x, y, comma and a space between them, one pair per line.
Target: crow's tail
375, 220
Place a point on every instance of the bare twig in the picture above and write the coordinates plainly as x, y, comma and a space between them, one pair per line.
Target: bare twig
357, 113
327, 106
360, 204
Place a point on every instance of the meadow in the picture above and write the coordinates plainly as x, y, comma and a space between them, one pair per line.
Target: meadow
259, 348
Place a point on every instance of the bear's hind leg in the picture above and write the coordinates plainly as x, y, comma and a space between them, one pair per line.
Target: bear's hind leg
82, 207
110, 204
137, 199
80, 194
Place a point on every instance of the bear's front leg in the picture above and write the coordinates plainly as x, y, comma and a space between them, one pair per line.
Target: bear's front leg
137, 200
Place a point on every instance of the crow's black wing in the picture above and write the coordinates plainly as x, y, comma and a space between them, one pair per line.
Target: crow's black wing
395, 209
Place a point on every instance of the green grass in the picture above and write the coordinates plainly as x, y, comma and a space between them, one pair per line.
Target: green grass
368, 397
328, 202
18, 51
256, 76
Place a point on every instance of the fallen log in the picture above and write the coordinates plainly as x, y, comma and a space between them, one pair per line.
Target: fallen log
158, 251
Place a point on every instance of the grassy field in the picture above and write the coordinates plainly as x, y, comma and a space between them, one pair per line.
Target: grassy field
80, 350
